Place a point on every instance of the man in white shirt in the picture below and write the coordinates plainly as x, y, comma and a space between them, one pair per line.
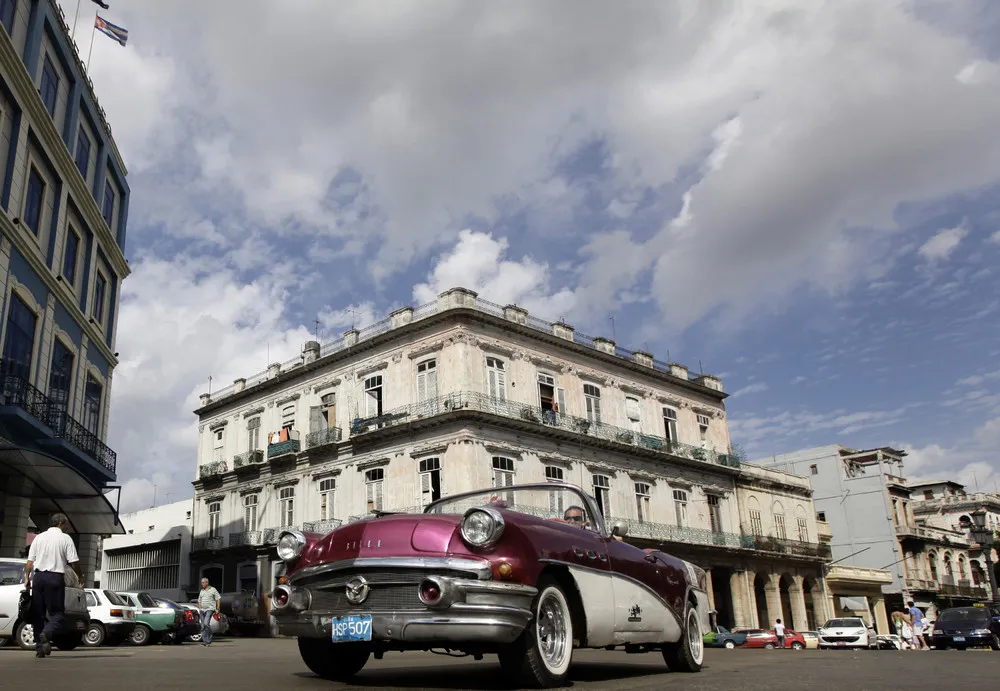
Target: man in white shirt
779, 632
52, 553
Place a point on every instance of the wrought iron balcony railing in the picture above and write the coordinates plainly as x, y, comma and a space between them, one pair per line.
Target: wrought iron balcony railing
200, 544
521, 411
248, 459
323, 437
249, 538
19, 393
212, 469
322, 527
283, 448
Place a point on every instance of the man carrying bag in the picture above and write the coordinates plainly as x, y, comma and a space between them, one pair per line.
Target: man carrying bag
50, 559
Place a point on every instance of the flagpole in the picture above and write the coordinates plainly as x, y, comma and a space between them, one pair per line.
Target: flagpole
75, 18
93, 32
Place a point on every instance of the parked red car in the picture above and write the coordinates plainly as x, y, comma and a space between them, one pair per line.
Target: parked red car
762, 638
526, 573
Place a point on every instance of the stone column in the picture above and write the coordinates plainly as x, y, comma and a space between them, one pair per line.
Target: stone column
797, 595
742, 607
87, 547
773, 593
881, 617
709, 589
16, 517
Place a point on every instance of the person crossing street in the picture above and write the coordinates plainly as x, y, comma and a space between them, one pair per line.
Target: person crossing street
51, 556
209, 605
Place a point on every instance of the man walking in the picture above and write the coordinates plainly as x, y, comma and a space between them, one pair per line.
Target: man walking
779, 631
209, 604
52, 553
917, 626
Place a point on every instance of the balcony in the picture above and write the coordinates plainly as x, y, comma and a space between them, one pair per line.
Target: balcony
922, 585
323, 437
202, 544
662, 532
213, 469
248, 459
29, 411
283, 444
477, 402
322, 527
250, 538
930, 534
965, 589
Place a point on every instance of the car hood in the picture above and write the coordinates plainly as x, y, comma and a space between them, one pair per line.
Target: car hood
961, 626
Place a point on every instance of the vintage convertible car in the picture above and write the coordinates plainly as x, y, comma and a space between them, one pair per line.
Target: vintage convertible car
528, 572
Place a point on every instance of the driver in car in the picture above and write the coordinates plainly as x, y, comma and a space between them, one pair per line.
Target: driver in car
576, 514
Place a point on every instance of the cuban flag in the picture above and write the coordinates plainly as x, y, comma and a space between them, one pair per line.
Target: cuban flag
112, 30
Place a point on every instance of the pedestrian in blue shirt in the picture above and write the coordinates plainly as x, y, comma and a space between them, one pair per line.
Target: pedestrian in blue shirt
917, 627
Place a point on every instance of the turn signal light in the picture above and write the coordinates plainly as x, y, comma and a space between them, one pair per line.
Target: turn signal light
504, 570
283, 580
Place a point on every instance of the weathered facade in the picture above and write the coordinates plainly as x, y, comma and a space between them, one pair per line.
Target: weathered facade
462, 394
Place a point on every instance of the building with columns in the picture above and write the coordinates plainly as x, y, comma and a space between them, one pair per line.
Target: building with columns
865, 499
62, 233
460, 394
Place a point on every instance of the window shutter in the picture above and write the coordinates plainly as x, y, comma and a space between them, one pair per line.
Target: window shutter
561, 399
422, 386
432, 383
502, 385
632, 408
316, 421
425, 487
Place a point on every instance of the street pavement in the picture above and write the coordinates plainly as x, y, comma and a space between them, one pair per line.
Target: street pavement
275, 664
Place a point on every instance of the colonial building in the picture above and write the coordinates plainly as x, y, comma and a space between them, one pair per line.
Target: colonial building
62, 233
867, 502
462, 394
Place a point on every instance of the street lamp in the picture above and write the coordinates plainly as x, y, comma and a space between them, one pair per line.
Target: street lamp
984, 536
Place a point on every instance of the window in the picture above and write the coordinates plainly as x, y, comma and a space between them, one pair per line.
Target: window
430, 480
33, 200
327, 492
556, 499
109, 204
288, 417
286, 506
496, 379
715, 512
821, 516
19, 345
814, 469
91, 599
632, 413
803, 529
8, 8
681, 507
592, 396
92, 405
703, 426
552, 400
217, 447
928, 494
503, 474
328, 409
756, 525
602, 492
70, 256
253, 434
50, 86
250, 512
373, 482
100, 288
642, 501
60, 375
373, 395
82, 152
779, 526
215, 519
670, 424
427, 380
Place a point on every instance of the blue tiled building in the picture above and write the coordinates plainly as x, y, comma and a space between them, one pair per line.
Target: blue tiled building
65, 205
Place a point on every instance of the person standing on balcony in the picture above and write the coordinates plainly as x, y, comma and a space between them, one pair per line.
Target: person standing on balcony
51, 555
209, 606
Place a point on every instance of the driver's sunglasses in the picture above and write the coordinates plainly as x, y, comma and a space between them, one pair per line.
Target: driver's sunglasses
577, 518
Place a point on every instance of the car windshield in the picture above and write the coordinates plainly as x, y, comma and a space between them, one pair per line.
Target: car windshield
114, 598
970, 614
844, 624
554, 501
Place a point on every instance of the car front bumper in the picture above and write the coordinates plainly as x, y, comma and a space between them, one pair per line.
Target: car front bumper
470, 611
848, 640
968, 640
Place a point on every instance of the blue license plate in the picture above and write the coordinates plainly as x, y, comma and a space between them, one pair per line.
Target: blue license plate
353, 627
959, 639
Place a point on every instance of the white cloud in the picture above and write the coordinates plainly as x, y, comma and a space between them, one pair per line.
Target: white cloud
478, 262
970, 462
942, 244
995, 238
758, 387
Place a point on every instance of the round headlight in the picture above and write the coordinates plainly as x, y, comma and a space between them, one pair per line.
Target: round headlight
290, 545
482, 527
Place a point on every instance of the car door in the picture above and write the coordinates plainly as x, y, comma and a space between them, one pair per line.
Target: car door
649, 591
11, 585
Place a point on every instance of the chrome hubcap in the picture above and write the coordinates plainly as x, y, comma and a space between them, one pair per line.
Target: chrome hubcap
695, 642
552, 632
28, 635
93, 635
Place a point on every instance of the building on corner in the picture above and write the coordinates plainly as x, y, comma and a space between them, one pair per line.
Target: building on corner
62, 233
462, 394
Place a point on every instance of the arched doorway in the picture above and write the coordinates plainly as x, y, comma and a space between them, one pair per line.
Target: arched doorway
784, 590
809, 590
760, 594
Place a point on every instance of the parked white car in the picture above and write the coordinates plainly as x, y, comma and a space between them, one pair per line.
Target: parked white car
112, 620
845, 632
11, 626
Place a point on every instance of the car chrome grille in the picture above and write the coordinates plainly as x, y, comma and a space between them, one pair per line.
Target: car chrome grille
381, 576
381, 598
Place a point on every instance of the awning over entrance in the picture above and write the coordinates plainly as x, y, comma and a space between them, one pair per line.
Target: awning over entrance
58, 487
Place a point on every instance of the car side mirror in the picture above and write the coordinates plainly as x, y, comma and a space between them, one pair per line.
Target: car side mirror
619, 529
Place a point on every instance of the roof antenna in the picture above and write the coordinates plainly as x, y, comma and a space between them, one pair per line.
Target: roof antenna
613, 336
353, 314
700, 368
210, 386
316, 321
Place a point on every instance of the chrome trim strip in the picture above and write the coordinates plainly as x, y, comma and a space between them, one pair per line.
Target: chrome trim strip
480, 567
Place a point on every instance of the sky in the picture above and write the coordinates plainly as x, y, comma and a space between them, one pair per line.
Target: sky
800, 197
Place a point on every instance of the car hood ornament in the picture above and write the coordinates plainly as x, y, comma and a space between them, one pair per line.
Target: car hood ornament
356, 590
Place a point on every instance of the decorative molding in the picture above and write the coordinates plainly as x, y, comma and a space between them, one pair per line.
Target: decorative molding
602, 468
397, 358
201, 428
214, 497
374, 463
329, 384
558, 460
502, 449
430, 449
253, 411
215, 426
371, 369
326, 473
286, 482
253, 489
426, 349
643, 476
287, 399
